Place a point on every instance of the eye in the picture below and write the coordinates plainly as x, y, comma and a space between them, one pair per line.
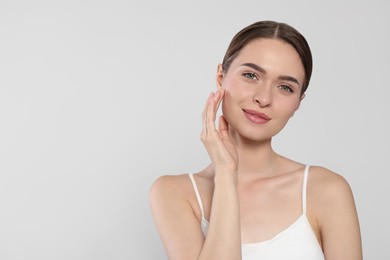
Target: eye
250, 75
286, 88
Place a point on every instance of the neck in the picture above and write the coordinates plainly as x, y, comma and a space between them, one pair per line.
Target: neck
256, 158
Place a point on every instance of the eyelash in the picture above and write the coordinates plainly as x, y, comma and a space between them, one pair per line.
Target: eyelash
286, 88
250, 75
253, 76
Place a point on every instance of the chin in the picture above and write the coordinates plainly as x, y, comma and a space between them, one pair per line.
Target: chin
257, 137
251, 135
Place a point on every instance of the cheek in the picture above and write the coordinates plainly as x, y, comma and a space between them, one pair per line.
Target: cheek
288, 108
229, 102
234, 84
236, 89
229, 85
232, 102
237, 92
226, 102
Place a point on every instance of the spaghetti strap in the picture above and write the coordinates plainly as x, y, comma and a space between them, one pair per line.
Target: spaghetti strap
197, 194
304, 188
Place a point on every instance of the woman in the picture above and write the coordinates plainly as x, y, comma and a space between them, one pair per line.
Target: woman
250, 202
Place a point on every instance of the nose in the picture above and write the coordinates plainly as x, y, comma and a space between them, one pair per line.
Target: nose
262, 96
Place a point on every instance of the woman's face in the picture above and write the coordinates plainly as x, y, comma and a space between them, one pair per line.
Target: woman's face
262, 88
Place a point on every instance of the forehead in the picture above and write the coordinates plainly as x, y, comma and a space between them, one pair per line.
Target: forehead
275, 56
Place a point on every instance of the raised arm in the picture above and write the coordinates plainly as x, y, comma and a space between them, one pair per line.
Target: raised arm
176, 221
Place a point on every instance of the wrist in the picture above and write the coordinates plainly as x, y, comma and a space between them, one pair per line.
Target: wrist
223, 176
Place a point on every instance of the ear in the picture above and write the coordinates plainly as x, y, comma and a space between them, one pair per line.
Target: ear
219, 76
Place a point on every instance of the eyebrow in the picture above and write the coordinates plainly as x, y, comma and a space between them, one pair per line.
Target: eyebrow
261, 70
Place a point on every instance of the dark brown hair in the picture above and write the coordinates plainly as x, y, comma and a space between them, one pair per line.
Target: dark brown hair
271, 30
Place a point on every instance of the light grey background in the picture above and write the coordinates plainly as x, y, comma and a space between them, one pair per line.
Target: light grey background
99, 98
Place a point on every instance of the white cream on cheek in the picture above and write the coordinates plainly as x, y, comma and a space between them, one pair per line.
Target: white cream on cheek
237, 85
237, 91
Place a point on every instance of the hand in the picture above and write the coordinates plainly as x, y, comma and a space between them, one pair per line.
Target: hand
218, 143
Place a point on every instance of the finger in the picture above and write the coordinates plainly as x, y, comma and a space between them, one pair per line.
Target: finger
223, 128
204, 114
206, 104
211, 112
219, 101
218, 97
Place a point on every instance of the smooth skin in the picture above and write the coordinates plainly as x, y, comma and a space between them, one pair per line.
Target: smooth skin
250, 193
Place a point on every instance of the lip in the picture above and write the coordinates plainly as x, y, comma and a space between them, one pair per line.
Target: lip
256, 117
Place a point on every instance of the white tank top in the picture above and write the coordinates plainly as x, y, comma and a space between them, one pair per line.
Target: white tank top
296, 242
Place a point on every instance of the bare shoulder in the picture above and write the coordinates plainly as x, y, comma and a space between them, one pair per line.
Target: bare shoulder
332, 204
327, 184
330, 197
169, 186
179, 228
